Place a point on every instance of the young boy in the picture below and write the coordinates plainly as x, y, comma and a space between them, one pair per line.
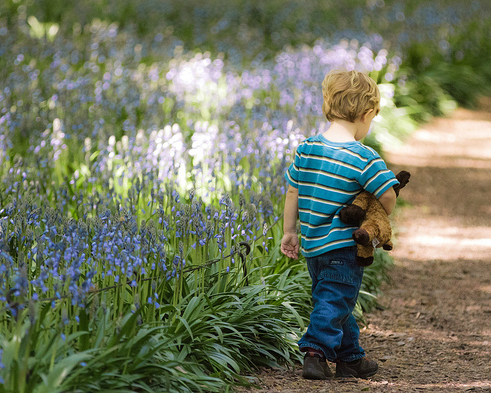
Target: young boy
328, 171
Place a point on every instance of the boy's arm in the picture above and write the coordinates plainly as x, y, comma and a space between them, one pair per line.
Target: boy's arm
375, 178
289, 243
388, 200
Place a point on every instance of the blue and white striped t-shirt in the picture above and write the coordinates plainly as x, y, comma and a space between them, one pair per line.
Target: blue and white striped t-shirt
329, 175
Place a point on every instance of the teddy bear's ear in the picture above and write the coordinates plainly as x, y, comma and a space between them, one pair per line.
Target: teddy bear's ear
403, 178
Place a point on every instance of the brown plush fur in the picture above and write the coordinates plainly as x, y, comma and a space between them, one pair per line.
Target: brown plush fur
375, 230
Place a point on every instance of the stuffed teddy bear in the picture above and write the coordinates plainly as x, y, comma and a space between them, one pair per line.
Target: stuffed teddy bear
374, 231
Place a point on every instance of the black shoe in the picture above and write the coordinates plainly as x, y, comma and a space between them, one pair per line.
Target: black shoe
361, 368
315, 367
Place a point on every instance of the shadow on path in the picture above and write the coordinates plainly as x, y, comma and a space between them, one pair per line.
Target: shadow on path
439, 304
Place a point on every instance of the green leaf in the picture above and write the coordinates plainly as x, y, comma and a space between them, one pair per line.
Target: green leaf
84, 341
295, 314
55, 378
186, 325
193, 308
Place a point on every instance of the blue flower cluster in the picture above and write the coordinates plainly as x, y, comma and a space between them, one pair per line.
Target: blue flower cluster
46, 255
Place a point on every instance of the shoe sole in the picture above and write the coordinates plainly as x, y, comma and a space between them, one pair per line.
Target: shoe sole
314, 376
364, 376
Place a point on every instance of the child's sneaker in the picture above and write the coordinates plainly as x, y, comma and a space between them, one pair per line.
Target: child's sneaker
315, 367
361, 368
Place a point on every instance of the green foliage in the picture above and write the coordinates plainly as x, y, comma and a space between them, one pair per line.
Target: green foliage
37, 357
204, 344
437, 75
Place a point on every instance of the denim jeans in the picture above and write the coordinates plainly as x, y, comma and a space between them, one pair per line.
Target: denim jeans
336, 281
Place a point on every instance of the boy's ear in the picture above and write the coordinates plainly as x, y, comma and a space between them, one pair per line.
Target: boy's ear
364, 116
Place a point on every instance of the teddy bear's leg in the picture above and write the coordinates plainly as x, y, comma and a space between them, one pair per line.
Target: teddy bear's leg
361, 236
352, 215
388, 246
356, 212
364, 255
366, 234
364, 261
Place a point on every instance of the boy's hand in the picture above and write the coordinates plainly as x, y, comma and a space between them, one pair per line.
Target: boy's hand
290, 245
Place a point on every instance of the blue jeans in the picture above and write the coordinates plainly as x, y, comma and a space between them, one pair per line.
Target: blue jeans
336, 281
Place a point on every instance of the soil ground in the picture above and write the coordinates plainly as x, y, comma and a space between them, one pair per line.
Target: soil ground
435, 333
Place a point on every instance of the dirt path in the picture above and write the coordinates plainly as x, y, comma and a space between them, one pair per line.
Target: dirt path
435, 334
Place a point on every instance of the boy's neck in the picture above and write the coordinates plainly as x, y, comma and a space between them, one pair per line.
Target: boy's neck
341, 131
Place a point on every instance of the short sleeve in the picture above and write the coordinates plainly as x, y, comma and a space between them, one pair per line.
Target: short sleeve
291, 174
376, 178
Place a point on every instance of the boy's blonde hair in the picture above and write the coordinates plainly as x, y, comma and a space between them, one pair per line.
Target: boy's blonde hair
348, 95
